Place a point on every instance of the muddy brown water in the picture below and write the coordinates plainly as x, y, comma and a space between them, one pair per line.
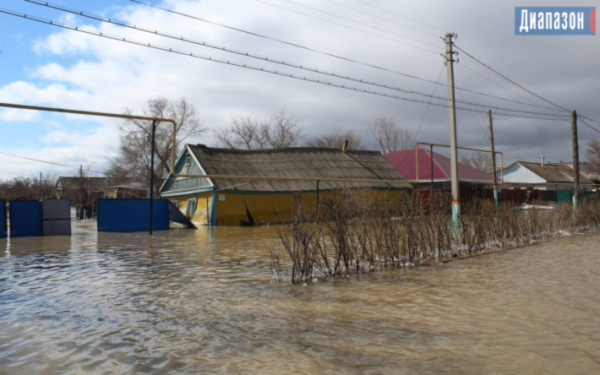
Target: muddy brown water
198, 302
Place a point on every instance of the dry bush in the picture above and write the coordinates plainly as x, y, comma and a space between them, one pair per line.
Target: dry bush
357, 234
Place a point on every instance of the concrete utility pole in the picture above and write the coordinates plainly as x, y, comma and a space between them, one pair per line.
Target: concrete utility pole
575, 159
493, 161
453, 149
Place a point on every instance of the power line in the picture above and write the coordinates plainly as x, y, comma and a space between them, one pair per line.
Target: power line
369, 14
511, 81
245, 66
399, 15
427, 108
353, 28
484, 128
511, 91
322, 52
262, 58
44, 161
523, 88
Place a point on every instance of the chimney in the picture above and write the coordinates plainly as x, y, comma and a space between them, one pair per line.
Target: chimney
345, 146
543, 161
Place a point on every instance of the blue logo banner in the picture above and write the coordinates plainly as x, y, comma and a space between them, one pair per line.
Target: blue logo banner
555, 21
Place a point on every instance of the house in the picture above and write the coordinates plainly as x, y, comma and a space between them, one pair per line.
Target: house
541, 176
73, 187
127, 190
405, 162
246, 202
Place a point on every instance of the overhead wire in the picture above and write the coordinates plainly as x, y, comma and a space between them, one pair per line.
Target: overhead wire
399, 15
427, 107
250, 67
46, 162
353, 28
518, 85
263, 58
508, 89
485, 130
510, 80
332, 55
362, 12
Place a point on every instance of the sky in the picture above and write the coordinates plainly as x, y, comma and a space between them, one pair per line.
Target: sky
48, 66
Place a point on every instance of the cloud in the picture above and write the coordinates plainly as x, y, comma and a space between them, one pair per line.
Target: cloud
19, 115
87, 72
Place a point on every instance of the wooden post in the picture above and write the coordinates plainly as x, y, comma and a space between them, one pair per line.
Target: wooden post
493, 161
575, 159
153, 133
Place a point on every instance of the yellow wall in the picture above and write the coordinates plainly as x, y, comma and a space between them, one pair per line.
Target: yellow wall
202, 206
265, 208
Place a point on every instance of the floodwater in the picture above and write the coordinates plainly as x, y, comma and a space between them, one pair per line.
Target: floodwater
198, 302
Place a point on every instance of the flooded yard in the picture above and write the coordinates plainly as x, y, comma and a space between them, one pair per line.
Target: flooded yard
191, 302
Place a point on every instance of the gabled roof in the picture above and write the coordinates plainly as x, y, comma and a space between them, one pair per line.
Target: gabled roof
554, 173
72, 182
296, 162
405, 161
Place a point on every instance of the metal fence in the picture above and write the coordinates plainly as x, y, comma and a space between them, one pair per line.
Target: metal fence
132, 215
26, 219
56, 215
3, 219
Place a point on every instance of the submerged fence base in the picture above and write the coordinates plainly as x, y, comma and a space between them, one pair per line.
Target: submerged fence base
3, 219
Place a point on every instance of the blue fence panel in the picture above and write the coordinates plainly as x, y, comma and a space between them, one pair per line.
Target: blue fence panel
2, 219
26, 219
132, 215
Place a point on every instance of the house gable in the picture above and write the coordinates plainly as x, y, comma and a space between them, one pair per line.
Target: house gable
518, 174
186, 164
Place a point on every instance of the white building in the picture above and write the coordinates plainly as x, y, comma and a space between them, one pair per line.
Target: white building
539, 176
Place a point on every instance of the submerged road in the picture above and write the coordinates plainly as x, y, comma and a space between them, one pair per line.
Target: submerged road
203, 302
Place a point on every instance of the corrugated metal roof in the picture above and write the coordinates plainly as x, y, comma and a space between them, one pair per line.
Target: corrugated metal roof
405, 162
296, 162
554, 172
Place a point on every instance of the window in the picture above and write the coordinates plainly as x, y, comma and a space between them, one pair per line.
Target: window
188, 160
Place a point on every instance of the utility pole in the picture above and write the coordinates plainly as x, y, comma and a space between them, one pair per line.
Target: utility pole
493, 161
453, 149
152, 136
575, 159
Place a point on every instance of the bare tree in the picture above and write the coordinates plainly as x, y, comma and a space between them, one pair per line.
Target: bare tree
336, 139
133, 160
592, 155
389, 136
245, 132
85, 191
480, 160
28, 188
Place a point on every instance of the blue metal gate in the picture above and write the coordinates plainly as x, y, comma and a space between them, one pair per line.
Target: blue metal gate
132, 215
2, 219
26, 219
57, 217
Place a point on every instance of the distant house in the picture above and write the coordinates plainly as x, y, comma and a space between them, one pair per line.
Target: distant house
72, 187
246, 202
541, 176
405, 162
127, 190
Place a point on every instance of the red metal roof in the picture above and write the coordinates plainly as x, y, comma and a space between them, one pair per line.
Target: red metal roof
405, 162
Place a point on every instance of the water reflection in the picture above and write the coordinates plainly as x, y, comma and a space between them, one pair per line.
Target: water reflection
202, 302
